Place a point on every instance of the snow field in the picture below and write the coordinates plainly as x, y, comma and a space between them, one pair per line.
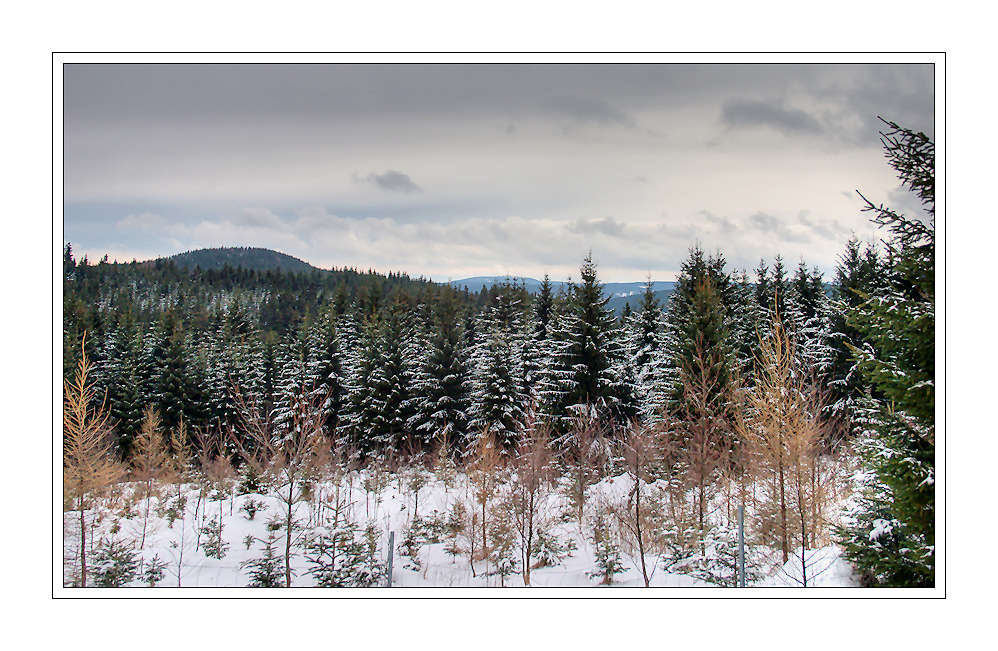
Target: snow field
181, 545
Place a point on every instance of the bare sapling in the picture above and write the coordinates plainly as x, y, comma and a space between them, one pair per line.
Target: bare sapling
581, 450
150, 461
782, 430
705, 424
217, 473
483, 471
285, 456
88, 453
531, 487
638, 514
321, 470
444, 467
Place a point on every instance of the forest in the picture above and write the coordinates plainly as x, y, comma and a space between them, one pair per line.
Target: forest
535, 431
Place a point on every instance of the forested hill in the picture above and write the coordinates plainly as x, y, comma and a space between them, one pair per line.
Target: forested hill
253, 258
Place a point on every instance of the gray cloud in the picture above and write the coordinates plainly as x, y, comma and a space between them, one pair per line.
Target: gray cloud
392, 181
742, 113
774, 226
606, 226
723, 223
258, 218
585, 110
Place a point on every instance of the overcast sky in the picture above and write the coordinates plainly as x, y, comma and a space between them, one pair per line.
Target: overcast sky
464, 170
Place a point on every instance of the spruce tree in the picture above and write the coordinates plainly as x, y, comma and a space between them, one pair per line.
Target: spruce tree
647, 350
859, 273
892, 540
442, 384
120, 380
587, 363
328, 357
699, 324
497, 400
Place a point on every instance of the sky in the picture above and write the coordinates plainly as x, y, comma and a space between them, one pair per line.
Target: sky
453, 171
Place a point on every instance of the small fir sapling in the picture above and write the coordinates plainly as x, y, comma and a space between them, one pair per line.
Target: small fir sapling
411, 546
715, 559
502, 536
416, 479
250, 507
213, 545
266, 571
345, 557
154, 572
549, 550
456, 525
607, 554
115, 564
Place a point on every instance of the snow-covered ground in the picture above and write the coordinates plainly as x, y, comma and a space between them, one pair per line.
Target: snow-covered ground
177, 540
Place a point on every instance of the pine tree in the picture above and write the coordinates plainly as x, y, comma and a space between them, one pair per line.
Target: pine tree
893, 539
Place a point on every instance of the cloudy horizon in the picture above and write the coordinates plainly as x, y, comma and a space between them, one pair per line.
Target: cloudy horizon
455, 171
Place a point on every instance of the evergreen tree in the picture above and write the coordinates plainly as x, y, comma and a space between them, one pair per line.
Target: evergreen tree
120, 380
893, 539
328, 355
497, 400
587, 364
647, 349
364, 362
699, 324
381, 391
165, 378
442, 385
298, 378
858, 273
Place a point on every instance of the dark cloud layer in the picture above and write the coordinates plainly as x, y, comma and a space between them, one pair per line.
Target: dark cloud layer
750, 113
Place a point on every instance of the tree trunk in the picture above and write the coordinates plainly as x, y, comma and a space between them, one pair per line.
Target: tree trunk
287, 542
784, 534
83, 546
638, 530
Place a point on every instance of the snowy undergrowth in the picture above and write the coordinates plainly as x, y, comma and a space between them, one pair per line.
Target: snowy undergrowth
437, 530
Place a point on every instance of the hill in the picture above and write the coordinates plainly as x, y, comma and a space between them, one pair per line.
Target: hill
249, 258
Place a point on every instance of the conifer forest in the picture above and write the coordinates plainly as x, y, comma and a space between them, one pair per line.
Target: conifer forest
227, 426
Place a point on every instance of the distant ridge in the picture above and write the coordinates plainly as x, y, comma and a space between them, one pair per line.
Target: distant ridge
250, 258
620, 294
